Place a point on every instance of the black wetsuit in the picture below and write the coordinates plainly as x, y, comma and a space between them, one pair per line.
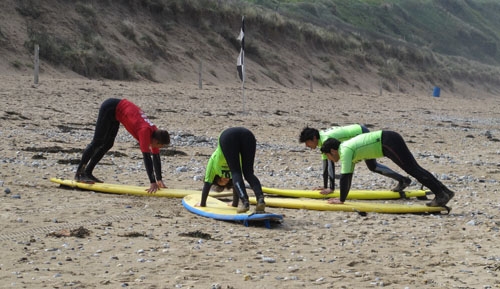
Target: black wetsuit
106, 130
372, 164
394, 147
239, 142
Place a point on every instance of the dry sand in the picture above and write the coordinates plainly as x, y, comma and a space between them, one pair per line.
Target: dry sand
140, 242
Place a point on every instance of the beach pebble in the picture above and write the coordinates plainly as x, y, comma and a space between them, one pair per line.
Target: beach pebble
268, 259
292, 269
182, 169
471, 223
7, 190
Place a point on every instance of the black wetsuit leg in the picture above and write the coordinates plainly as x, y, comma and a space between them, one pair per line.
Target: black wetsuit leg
248, 150
376, 167
105, 133
394, 147
379, 168
236, 142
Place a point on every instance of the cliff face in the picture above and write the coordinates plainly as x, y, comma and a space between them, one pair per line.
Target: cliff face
169, 41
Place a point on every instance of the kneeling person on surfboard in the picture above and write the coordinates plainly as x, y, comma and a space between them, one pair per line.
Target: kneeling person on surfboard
314, 138
114, 111
230, 162
378, 144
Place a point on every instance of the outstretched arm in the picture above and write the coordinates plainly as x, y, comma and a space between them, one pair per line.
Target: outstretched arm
331, 174
325, 174
345, 187
328, 177
157, 167
204, 194
148, 163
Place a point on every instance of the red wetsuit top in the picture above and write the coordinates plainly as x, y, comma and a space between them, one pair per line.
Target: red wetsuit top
137, 124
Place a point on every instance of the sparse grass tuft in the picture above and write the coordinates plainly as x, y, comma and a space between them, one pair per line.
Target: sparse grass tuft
28, 8
17, 64
127, 29
87, 62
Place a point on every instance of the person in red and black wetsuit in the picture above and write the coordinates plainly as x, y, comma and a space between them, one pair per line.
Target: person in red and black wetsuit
114, 111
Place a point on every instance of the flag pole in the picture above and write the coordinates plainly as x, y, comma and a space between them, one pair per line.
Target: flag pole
243, 84
240, 63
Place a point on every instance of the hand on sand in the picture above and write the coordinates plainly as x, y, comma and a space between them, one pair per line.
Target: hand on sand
334, 201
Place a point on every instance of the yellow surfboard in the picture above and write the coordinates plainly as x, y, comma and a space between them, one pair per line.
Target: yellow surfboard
351, 206
353, 194
133, 190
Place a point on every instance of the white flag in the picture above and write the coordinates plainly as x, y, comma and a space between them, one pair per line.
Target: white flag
241, 58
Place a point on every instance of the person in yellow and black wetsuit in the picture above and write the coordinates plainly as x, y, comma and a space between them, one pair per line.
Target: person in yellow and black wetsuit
375, 145
229, 163
314, 138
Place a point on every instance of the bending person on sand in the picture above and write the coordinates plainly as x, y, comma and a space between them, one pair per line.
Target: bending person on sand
233, 159
114, 111
375, 145
314, 138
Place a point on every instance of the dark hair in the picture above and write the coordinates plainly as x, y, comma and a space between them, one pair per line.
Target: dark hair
162, 136
329, 144
308, 133
218, 188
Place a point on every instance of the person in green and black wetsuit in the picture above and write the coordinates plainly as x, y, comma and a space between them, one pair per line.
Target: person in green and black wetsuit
230, 162
314, 138
375, 145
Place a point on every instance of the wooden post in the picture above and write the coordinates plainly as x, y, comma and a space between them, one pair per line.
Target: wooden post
200, 85
310, 81
37, 63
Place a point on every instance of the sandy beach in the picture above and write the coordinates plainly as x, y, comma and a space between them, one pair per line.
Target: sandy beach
62, 238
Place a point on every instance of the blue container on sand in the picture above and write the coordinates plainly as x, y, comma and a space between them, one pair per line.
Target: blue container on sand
436, 92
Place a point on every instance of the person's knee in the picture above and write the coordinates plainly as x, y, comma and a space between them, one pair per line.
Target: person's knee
108, 145
371, 165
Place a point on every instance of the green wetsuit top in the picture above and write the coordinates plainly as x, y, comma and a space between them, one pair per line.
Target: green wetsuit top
341, 133
217, 166
362, 147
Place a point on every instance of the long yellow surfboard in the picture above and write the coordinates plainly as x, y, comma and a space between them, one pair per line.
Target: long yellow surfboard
133, 190
353, 194
350, 206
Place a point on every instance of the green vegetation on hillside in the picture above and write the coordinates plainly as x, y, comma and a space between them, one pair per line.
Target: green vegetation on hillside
419, 40
467, 28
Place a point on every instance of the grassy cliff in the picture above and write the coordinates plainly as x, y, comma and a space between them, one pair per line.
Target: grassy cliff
337, 42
